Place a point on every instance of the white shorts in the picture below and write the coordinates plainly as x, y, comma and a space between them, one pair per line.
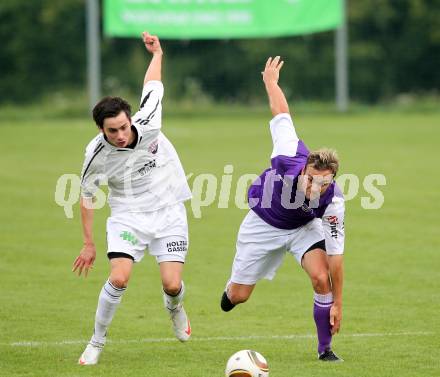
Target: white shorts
261, 247
164, 232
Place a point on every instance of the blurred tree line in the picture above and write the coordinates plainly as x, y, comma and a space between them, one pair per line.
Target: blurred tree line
394, 47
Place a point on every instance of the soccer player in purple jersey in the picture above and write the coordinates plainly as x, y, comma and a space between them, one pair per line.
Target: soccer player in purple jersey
295, 206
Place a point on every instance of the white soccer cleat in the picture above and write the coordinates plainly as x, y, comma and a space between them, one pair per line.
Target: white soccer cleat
181, 325
90, 356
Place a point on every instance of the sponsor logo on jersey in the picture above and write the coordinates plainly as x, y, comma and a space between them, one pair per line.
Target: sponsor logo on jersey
147, 167
152, 148
177, 246
334, 222
129, 237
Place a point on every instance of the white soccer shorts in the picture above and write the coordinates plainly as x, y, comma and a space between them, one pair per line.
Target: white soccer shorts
261, 247
163, 232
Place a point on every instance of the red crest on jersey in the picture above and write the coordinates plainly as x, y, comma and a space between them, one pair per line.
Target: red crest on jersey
332, 219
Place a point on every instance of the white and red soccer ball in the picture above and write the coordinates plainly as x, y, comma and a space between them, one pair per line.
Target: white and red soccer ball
247, 363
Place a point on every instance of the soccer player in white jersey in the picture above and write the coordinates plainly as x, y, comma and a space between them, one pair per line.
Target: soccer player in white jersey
296, 207
147, 187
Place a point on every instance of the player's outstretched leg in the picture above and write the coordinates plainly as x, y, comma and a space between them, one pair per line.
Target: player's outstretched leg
174, 305
109, 300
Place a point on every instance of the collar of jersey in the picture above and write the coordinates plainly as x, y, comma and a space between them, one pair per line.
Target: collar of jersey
111, 146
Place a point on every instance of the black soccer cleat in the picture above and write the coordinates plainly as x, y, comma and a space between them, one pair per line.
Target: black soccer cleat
329, 355
226, 304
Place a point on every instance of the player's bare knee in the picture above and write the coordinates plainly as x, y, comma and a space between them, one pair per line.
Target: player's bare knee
172, 287
119, 281
320, 282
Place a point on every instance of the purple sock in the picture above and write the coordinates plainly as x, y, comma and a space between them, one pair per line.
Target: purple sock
321, 314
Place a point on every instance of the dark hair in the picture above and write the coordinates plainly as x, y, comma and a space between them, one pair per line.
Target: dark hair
110, 107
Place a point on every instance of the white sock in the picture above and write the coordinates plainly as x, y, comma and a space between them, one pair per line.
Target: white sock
172, 302
109, 299
324, 299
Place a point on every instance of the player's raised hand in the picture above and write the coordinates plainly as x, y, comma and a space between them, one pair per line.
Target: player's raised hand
85, 260
271, 72
335, 319
152, 43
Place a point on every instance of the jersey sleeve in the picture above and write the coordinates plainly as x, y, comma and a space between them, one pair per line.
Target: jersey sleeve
149, 116
91, 171
284, 137
333, 224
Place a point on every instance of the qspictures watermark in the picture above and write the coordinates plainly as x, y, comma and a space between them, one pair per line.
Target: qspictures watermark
209, 189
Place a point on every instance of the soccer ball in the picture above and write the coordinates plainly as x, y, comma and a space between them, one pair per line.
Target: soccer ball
247, 363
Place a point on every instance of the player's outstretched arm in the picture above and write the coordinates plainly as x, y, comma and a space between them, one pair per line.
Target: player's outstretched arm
277, 100
87, 256
152, 44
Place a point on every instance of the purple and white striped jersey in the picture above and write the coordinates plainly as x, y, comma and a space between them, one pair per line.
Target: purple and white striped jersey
274, 196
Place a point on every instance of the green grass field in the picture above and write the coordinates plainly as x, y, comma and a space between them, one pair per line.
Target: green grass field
391, 324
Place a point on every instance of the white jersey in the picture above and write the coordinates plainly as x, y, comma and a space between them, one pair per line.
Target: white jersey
140, 179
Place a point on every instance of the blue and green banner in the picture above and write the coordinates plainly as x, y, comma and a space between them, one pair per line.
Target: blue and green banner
219, 19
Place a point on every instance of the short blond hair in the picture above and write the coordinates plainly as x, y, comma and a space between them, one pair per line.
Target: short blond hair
324, 159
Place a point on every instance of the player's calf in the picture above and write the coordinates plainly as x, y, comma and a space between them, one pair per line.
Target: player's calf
235, 294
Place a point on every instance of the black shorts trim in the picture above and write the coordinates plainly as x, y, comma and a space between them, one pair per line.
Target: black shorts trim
317, 245
113, 255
